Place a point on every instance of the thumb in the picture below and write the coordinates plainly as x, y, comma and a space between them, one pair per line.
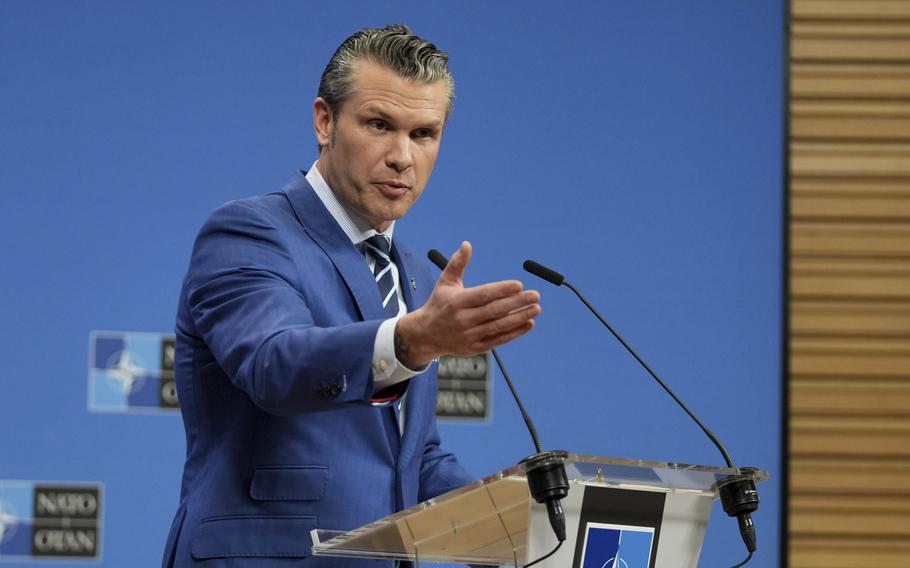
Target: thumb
454, 271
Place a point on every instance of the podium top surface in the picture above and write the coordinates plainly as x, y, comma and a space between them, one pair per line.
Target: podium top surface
486, 522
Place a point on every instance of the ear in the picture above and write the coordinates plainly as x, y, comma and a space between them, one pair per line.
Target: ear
323, 121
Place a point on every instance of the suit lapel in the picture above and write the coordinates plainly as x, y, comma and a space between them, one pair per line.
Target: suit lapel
404, 259
325, 231
415, 291
331, 238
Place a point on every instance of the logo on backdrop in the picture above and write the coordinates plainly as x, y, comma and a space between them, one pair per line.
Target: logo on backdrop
464, 388
9, 522
46, 520
131, 372
134, 372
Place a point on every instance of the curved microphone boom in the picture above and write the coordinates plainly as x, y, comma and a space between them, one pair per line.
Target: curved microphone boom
546, 471
558, 279
737, 492
441, 262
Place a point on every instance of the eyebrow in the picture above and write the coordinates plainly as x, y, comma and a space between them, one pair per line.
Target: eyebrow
377, 110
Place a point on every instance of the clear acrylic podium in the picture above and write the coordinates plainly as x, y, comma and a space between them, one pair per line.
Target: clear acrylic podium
661, 508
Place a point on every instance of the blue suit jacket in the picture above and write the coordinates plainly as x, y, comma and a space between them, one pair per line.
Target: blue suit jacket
275, 331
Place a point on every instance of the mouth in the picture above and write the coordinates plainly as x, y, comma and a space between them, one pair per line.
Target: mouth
392, 188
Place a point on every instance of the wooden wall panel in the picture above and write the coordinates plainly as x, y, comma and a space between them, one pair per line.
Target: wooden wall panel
835, 158
841, 207
859, 239
849, 290
824, 395
856, 476
815, 318
851, 10
846, 48
857, 187
849, 553
862, 82
846, 127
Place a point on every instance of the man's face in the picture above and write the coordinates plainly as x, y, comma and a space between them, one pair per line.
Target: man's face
378, 152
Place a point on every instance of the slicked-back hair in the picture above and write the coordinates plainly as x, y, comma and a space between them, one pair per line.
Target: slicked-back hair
393, 46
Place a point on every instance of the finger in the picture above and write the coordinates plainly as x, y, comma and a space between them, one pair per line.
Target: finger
505, 324
496, 340
499, 307
454, 271
486, 293
486, 343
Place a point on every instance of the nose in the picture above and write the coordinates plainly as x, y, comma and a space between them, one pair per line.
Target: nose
398, 154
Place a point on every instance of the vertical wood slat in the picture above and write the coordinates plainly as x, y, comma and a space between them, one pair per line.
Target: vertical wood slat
849, 304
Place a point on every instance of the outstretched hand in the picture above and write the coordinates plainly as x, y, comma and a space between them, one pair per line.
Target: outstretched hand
464, 321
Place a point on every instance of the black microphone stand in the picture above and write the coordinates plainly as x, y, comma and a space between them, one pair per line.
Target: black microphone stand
546, 471
738, 494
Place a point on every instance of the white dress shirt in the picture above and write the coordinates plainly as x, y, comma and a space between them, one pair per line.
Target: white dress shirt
387, 369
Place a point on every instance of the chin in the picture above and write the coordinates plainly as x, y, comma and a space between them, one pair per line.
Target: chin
389, 214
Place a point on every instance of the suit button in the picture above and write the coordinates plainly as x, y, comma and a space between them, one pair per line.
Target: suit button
335, 390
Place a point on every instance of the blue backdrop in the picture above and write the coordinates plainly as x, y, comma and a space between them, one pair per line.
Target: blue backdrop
637, 147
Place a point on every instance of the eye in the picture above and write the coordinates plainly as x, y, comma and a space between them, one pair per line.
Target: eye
423, 133
378, 124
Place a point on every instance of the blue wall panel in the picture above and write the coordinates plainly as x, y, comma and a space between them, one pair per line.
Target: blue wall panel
634, 146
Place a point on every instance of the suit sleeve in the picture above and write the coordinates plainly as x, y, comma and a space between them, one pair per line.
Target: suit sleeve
440, 471
258, 325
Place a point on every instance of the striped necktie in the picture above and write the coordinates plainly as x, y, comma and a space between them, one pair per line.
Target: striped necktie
379, 247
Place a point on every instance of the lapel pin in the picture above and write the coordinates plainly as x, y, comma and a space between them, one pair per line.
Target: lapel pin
413, 284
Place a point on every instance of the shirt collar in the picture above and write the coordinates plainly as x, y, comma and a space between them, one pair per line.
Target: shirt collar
354, 227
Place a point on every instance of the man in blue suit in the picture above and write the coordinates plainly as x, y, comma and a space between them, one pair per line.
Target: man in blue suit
306, 335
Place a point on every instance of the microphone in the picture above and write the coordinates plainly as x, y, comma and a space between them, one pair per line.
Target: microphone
737, 492
438, 259
542, 271
546, 471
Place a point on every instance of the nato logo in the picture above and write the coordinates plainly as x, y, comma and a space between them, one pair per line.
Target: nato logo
14, 529
42, 521
131, 372
617, 546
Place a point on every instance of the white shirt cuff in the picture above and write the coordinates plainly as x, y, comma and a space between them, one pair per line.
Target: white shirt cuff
387, 369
